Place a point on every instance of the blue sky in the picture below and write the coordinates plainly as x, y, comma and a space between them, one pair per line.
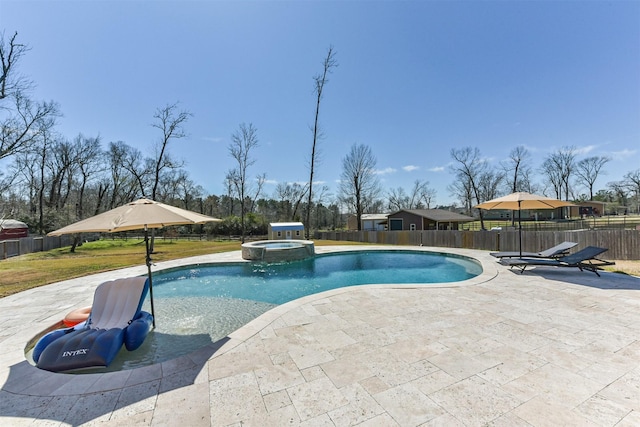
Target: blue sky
415, 79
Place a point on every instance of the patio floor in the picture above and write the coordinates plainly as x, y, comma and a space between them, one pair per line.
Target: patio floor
552, 346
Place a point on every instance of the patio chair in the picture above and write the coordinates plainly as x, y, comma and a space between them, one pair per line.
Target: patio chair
116, 318
584, 259
553, 252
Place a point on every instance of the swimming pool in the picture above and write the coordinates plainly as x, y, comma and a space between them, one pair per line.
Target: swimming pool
277, 283
201, 304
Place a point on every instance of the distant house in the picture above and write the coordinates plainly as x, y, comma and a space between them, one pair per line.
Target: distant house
286, 230
370, 222
12, 229
426, 219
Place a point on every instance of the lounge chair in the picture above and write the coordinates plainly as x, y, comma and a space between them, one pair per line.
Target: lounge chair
554, 252
584, 259
116, 318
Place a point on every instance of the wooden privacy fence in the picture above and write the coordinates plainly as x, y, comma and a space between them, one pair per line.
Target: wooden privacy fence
25, 245
622, 244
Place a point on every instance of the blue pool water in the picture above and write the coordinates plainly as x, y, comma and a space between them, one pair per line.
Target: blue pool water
277, 245
283, 282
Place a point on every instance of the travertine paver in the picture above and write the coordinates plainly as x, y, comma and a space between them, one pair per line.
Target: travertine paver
548, 347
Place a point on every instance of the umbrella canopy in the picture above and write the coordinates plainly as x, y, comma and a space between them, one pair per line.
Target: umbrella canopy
520, 201
137, 215
142, 213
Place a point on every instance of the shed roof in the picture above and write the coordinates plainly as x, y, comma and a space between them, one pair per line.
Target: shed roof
6, 224
372, 217
439, 215
286, 226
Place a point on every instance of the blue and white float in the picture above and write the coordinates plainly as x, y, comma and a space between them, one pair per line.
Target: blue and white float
116, 318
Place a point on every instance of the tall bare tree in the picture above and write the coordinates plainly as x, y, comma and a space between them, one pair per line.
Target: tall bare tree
10, 53
359, 184
469, 168
559, 167
553, 177
21, 119
632, 183
589, 169
517, 170
122, 182
89, 161
171, 123
320, 80
243, 142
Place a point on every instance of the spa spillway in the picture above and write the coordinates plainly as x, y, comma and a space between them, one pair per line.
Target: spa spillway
278, 250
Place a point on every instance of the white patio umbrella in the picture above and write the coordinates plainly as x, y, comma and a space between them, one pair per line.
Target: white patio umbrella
520, 201
137, 215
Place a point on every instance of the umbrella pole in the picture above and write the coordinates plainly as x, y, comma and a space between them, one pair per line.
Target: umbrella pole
520, 227
148, 261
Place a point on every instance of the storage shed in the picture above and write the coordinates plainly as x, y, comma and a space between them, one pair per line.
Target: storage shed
286, 230
12, 229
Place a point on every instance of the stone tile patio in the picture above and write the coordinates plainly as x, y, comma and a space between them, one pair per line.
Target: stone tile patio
545, 348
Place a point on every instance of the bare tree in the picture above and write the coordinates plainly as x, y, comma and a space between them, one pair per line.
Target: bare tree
469, 169
632, 183
229, 180
289, 198
490, 182
171, 123
559, 167
398, 199
89, 162
359, 184
420, 197
589, 169
139, 169
320, 80
517, 170
10, 54
20, 118
243, 142
122, 182
461, 189
553, 177
260, 180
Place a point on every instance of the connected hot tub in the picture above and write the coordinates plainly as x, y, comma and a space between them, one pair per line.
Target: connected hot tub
278, 250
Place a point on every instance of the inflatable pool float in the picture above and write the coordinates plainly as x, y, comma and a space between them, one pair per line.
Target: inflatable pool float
115, 319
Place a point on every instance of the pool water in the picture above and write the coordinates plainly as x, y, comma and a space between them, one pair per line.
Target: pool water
278, 283
199, 305
278, 245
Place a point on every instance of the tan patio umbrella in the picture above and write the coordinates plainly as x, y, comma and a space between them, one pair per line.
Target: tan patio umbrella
520, 201
137, 215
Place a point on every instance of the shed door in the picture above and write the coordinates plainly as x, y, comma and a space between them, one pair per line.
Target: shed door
288, 234
395, 224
